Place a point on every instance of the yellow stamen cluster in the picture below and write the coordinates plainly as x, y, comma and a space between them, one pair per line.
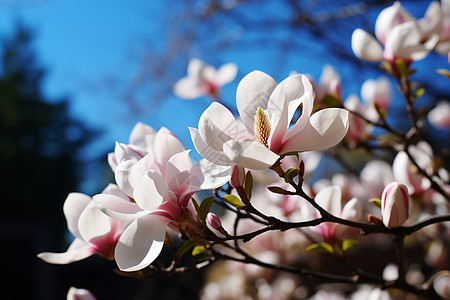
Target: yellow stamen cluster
262, 127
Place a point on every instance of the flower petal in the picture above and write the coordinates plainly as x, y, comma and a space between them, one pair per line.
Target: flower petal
208, 152
141, 243
330, 199
250, 154
151, 191
143, 136
93, 223
166, 145
217, 125
252, 92
206, 175
77, 251
226, 73
187, 88
365, 46
73, 207
325, 129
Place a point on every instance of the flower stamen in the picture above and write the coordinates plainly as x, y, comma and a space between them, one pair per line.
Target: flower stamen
262, 127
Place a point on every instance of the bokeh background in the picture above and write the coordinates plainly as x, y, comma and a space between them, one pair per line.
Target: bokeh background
76, 76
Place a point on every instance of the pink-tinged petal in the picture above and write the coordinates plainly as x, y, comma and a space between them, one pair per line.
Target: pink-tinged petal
307, 102
252, 92
93, 223
177, 172
128, 152
365, 46
151, 191
433, 20
277, 113
113, 189
250, 154
389, 18
112, 161
140, 168
77, 251
166, 145
325, 129
217, 125
73, 207
188, 88
79, 294
405, 42
207, 151
395, 205
141, 243
206, 175
226, 73
116, 203
143, 136
330, 199
377, 91
122, 174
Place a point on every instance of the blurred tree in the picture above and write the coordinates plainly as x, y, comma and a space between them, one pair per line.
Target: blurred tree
39, 142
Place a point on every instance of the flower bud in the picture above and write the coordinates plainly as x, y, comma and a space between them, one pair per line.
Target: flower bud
213, 222
237, 177
442, 286
395, 204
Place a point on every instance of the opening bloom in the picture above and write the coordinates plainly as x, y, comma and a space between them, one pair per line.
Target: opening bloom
263, 132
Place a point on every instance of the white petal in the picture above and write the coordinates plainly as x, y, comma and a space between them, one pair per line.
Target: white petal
77, 251
142, 135
207, 175
365, 46
93, 223
208, 152
122, 174
151, 191
330, 199
166, 145
187, 88
252, 92
389, 18
217, 125
141, 167
73, 207
226, 73
194, 67
307, 102
141, 243
250, 154
325, 129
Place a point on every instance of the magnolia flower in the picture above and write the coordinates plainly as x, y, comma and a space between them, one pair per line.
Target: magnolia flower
437, 21
204, 80
330, 199
377, 91
162, 183
407, 173
79, 294
358, 127
440, 115
94, 232
394, 205
398, 32
329, 82
441, 285
266, 110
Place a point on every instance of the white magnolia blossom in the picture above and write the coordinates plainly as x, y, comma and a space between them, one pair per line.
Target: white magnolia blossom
400, 35
377, 91
94, 232
266, 110
79, 294
204, 80
395, 205
439, 116
161, 183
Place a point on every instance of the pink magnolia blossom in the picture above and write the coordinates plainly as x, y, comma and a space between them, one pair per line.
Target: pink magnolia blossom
266, 110
162, 183
79, 294
94, 232
440, 115
330, 199
204, 80
398, 32
358, 127
395, 205
329, 82
377, 91
437, 21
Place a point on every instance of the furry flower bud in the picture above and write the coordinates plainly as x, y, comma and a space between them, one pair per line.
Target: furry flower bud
395, 205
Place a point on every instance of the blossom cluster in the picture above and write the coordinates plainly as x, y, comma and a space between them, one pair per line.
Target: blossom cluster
264, 216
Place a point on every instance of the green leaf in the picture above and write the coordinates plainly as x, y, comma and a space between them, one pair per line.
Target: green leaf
376, 202
444, 72
419, 93
248, 185
198, 250
320, 248
184, 247
204, 207
233, 200
278, 190
290, 174
349, 243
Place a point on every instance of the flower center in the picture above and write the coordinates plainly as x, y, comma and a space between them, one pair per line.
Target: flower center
262, 127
